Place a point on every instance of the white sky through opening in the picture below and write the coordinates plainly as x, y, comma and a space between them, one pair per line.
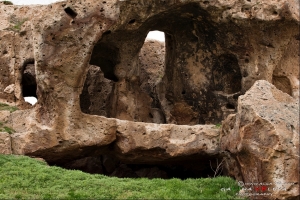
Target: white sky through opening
156, 35
31, 100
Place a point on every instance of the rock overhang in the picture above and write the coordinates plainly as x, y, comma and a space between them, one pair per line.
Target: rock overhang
202, 39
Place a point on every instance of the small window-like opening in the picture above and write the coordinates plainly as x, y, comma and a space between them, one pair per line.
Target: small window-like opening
29, 85
70, 12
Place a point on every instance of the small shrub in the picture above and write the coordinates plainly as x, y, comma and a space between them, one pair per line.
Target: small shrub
218, 125
16, 24
7, 2
6, 129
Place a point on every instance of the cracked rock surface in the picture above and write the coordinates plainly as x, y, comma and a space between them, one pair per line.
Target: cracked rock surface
102, 89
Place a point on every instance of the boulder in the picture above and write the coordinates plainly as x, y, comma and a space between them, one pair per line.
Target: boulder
263, 140
151, 143
164, 112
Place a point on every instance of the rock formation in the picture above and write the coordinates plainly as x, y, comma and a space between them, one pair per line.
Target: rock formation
263, 139
103, 90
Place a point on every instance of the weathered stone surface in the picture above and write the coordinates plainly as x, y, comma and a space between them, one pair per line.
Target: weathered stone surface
94, 98
204, 63
151, 143
5, 143
215, 51
263, 139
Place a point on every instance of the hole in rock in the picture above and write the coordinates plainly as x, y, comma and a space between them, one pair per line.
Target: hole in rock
29, 85
177, 80
230, 106
131, 21
70, 12
100, 92
111, 166
106, 57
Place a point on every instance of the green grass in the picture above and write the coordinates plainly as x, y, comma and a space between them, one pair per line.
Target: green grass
26, 178
218, 125
4, 106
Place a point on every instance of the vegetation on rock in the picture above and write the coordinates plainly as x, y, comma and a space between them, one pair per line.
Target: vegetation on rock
7, 2
26, 178
7, 129
4, 106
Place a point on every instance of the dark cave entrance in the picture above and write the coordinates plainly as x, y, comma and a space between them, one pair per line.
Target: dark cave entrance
196, 83
111, 166
191, 50
100, 79
29, 85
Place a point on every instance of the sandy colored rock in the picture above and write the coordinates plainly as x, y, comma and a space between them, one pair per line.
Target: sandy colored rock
151, 143
263, 139
203, 65
5, 143
214, 52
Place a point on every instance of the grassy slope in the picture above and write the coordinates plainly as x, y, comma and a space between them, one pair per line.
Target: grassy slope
26, 178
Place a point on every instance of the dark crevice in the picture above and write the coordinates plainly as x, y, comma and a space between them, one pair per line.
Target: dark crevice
112, 166
29, 85
70, 12
106, 56
230, 106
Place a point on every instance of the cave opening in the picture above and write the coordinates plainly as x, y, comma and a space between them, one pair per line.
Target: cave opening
111, 166
173, 80
28, 83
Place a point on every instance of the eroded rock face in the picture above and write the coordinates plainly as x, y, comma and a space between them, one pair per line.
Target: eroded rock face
5, 143
263, 139
214, 52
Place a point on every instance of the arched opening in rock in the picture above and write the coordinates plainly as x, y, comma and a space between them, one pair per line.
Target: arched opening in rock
106, 56
29, 85
100, 79
194, 82
151, 72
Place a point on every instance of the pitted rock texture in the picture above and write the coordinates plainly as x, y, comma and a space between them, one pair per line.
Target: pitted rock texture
263, 139
5, 143
214, 49
214, 52
134, 142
